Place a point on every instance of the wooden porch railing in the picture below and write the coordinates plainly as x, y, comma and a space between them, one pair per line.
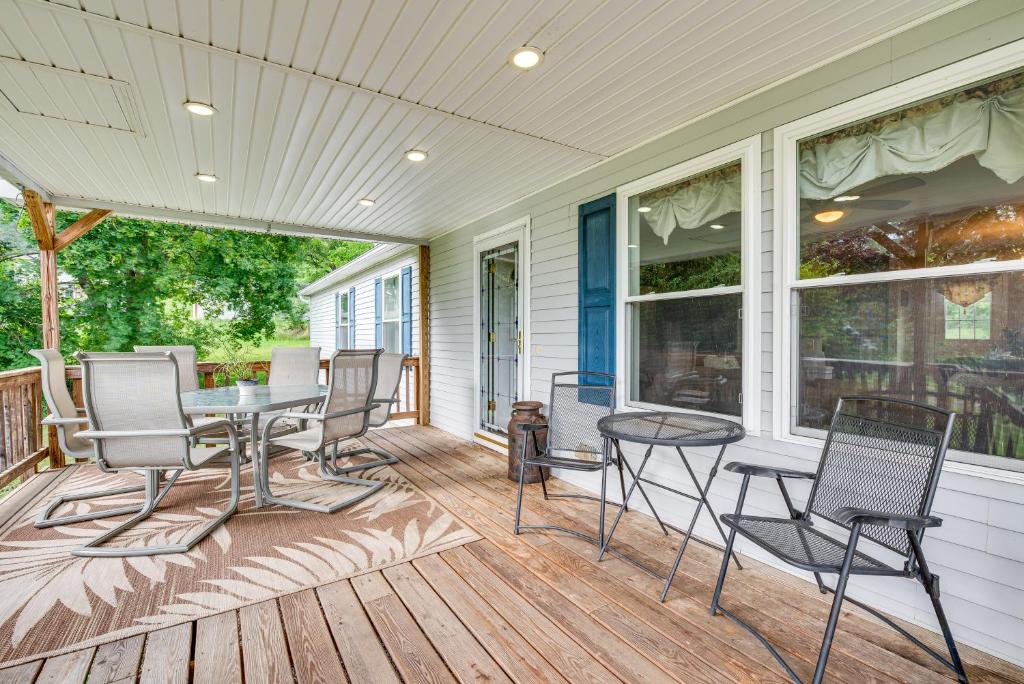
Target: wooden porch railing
22, 446
23, 449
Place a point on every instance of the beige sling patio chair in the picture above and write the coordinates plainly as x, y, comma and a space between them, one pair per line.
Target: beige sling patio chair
185, 356
294, 366
136, 423
70, 421
389, 377
345, 414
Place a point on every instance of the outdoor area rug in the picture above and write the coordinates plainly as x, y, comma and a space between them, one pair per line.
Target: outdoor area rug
52, 602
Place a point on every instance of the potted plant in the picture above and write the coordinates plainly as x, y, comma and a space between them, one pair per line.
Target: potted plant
241, 370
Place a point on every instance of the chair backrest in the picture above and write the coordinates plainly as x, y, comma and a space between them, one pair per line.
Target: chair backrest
130, 392
60, 403
185, 355
351, 384
882, 455
294, 366
389, 376
578, 400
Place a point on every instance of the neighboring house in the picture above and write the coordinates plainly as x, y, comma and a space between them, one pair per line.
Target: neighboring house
370, 302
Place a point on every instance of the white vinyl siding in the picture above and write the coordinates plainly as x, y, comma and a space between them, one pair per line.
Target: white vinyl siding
321, 305
977, 551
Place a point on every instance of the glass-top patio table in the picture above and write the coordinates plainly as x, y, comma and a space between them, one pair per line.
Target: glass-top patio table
676, 430
255, 401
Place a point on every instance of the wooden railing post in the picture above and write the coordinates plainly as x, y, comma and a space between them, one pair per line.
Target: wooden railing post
423, 376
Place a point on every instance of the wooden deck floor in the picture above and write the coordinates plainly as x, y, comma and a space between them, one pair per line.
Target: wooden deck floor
529, 608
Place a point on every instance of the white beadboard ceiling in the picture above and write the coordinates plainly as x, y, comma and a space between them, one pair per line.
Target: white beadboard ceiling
318, 99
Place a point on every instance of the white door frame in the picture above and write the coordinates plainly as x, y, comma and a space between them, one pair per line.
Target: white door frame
516, 231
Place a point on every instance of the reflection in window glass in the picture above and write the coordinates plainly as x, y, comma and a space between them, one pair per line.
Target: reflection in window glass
391, 301
969, 321
893, 339
687, 353
935, 184
686, 235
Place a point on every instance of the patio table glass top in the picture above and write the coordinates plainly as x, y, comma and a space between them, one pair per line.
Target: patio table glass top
259, 399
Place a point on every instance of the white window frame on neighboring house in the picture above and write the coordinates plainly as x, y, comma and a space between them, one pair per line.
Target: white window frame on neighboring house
748, 153
384, 320
982, 67
342, 336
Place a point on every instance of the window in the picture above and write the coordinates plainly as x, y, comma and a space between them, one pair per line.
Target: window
391, 314
342, 319
904, 260
689, 254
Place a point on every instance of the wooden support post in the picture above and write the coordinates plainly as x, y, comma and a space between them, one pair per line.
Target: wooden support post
423, 399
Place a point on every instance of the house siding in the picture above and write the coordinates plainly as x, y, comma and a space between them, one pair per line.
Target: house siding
321, 305
977, 550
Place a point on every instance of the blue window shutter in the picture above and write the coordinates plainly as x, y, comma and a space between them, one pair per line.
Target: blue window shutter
378, 302
407, 310
351, 318
597, 286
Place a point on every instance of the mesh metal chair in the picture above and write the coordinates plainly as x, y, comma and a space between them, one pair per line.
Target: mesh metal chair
70, 421
389, 377
344, 414
578, 400
294, 366
877, 477
136, 423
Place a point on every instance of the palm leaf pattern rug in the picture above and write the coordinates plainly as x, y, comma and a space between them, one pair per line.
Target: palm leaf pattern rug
52, 602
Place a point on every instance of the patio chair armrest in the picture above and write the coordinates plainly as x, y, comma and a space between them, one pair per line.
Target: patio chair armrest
224, 423
53, 420
128, 434
335, 414
534, 427
848, 515
767, 471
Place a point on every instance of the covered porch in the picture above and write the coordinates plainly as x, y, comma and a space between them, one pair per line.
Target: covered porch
535, 607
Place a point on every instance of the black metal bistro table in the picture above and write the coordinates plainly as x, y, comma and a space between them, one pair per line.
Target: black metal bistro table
676, 430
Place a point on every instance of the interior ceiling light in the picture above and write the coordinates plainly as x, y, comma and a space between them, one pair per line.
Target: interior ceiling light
525, 57
366, 202
200, 109
644, 210
829, 216
416, 155
717, 226
847, 198
206, 177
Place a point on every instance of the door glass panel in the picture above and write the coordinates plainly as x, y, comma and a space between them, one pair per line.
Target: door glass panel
499, 336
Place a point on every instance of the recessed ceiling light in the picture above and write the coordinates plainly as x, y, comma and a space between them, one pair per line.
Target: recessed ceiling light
206, 177
200, 109
525, 57
416, 155
366, 202
644, 210
847, 198
717, 226
829, 216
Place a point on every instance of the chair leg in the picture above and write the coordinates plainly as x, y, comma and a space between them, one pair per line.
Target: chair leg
44, 520
837, 606
385, 459
931, 585
372, 486
154, 495
622, 485
728, 548
604, 494
519, 496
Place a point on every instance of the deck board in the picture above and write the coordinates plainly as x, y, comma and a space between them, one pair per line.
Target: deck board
530, 608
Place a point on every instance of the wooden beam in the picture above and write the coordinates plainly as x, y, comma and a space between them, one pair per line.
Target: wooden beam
79, 228
50, 298
41, 217
423, 400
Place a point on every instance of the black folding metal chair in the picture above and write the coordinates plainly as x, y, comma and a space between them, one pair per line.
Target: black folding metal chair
877, 477
578, 400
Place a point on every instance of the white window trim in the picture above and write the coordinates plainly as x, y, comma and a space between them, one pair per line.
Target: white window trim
520, 230
397, 275
341, 342
786, 227
748, 153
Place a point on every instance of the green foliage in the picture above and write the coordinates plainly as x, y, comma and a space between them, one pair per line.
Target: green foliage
236, 365
693, 274
131, 281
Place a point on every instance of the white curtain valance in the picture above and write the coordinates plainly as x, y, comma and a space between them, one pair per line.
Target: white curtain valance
693, 205
991, 129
